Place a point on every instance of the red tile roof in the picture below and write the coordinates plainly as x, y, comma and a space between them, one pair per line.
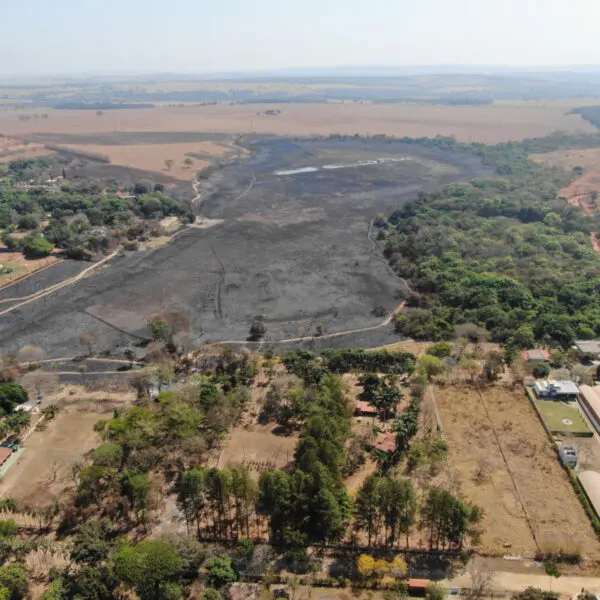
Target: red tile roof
386, 442
4, 454
364, 408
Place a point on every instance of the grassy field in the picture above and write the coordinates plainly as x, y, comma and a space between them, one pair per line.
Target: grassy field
501, 459
491, 123
563, 417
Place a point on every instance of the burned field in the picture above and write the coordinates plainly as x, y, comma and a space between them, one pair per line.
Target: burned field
292, 245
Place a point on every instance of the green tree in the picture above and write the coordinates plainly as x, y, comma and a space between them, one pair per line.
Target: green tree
108, 455
37, 247
11, 395
221, 572
91, 544
191, 497
18, 420
150, 568
532, 593
366, 507
431, 366
440, 349
275, 501
435, 591
15, 577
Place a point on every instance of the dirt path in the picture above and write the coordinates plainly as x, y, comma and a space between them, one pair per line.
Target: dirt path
56, 286
326, 336
505, 581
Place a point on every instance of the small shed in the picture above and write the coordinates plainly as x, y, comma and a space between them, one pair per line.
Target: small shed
417, 587
538, 355
591, 347
386, 442
364, 409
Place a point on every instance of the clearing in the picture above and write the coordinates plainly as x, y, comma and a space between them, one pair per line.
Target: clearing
151, 157
498, 122
502, 460
13, 265
581, 190
43, 472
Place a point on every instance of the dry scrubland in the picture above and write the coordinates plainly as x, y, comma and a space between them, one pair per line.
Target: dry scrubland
495, 123
14, 148
502, 460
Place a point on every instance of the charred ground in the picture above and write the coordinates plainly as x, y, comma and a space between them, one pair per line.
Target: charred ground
294, 249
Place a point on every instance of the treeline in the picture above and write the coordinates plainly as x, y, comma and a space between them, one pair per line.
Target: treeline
503, 253
589, 113
377, 361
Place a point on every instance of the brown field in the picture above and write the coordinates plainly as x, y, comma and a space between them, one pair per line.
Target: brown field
151, 157
494, 123
258, 448
502, 460
13, 149
43, 471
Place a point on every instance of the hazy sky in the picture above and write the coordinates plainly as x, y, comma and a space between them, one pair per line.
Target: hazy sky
84, 36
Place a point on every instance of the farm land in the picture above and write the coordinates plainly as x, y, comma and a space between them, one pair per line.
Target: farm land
501, 459
498, 122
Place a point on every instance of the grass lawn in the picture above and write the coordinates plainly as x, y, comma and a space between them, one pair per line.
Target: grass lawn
563, 417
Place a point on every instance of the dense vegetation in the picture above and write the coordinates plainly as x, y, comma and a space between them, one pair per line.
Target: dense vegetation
505, 253
82, 218
589, 113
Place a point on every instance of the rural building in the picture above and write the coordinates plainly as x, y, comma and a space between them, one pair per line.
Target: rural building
590, 482
386, 442
364, 409
418, 587
551, 389
591, 347
589, 400
536, 356
568, 455
5, 454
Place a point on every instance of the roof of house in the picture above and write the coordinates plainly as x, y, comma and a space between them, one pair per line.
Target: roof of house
588, 346
365, 407
386, 442
418, 583
561, 387
4, 453
538, 354
591, 398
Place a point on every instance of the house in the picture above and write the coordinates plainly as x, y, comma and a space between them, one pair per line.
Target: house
551, 389
591, 347
364, 409
5, 454
568, 455
386, 442
536, 356
418, 587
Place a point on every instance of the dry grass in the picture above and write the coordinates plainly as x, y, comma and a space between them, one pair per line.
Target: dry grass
258, 448
13, 149
151, 157
495, 123
528, 500
43, 471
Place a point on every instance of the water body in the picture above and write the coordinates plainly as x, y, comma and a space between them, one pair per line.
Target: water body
362, 163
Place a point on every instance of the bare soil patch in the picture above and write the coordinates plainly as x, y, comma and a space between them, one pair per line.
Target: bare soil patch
503, 461
495, 123
151, 157
258, 448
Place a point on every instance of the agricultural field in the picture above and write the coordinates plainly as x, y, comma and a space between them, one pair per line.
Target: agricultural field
14, 266
44, 470
501, 459
152, 157
493, 123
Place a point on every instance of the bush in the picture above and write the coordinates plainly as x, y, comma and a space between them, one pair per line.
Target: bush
37, 247
11, 395
440, 350
541, 371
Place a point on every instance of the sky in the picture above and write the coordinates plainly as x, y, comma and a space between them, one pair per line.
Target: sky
205, 36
